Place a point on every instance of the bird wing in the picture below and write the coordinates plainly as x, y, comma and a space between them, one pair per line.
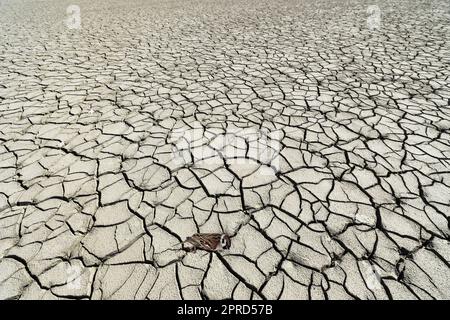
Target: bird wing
206, 241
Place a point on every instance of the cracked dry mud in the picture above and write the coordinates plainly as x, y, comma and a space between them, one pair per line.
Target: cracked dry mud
93, 202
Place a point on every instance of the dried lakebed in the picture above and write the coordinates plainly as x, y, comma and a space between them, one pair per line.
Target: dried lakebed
318, 141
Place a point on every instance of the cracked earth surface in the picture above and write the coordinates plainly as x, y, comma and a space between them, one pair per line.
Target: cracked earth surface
93, 201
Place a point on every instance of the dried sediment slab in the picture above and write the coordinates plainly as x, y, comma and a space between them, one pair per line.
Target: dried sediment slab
318, 138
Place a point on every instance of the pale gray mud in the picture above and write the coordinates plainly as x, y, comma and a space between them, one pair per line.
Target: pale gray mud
353, 202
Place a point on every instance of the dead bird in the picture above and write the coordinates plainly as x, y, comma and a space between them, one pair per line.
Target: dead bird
207, 242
